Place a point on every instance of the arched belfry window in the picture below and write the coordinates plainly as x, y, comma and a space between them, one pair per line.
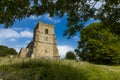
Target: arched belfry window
46, 31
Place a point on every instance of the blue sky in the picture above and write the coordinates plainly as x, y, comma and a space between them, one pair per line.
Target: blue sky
21, 33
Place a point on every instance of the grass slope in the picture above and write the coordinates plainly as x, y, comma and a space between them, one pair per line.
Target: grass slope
18, 69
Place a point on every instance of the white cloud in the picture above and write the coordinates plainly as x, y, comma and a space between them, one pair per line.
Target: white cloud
11, 34
46, 17
8, 36
17, 49
19, 46
63, 49
35, 17
8, 33
53, 20
26, 34
18, 29
12, 40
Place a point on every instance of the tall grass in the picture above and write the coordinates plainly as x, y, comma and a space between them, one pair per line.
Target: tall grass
58, 70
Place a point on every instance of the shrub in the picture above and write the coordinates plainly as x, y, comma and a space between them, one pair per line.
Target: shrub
70, 55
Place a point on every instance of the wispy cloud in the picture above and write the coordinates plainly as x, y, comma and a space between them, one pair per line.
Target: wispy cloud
17, 49
19, 46
26, 34
17, 29
8, 33
12, 40
35, 17
12, 34
53, 20
46, 17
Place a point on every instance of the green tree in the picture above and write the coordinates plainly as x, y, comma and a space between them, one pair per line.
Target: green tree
70, 55
99, 45
5, 51
78, 12
12, 51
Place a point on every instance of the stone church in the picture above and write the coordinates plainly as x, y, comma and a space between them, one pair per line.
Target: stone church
43, 44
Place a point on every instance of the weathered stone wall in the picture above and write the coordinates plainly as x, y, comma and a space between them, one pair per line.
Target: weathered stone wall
43, 44
23, 52
55, 50
30, 49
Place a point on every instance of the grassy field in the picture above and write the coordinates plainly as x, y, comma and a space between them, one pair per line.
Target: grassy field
34, 69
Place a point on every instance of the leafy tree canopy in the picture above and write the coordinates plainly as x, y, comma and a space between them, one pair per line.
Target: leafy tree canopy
78, 11
70, 55
5, 51
99, 45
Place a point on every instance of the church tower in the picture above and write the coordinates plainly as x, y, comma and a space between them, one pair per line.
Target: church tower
43, 44
44, 41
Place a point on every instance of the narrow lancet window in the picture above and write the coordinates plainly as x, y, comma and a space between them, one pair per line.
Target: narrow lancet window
46, 31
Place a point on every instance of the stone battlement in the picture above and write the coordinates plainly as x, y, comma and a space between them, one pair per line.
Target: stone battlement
44, 24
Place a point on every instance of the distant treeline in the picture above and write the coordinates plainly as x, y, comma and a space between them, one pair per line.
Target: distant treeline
6, 51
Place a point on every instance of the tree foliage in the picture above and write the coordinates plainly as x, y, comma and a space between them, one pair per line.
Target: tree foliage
99, 45
70, 55
78, 11
5, 51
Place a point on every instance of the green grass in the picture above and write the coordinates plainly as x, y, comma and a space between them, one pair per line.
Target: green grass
17, 69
